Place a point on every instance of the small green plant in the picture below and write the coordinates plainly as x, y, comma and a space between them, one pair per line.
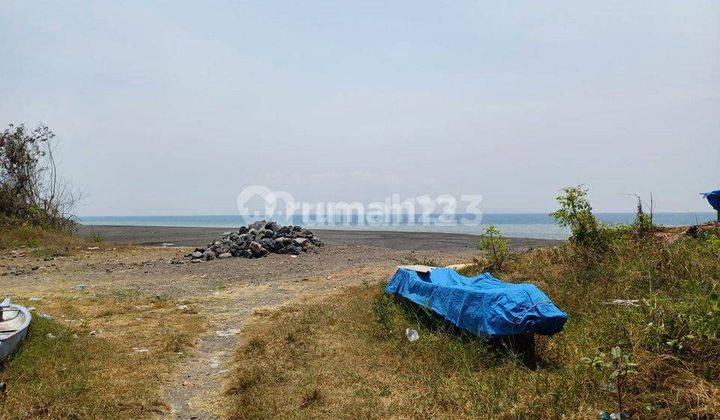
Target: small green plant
618, 367
383, 313
96, 236
412, 259
643, 223
684, 328
576, 213
495, 246
712, 242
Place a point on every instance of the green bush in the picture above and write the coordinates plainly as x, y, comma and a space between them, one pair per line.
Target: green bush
643, 223
495, 247
576, 213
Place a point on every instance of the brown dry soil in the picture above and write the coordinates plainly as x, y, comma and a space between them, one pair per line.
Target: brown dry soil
225, 293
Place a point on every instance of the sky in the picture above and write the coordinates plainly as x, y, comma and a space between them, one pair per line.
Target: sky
173, 107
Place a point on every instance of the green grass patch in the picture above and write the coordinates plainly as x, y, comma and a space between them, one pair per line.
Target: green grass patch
94, 370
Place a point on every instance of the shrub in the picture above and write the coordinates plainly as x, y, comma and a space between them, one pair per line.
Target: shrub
496, 248
589, 238
617, 367
643, 223
31, 190
96, 236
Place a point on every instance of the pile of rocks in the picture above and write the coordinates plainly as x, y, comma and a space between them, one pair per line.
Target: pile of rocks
257, 240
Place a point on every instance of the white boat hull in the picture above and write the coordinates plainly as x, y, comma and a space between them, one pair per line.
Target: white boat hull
14, 323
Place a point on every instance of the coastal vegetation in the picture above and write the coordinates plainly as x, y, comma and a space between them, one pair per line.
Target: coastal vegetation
643, 338
31, 189
36, 203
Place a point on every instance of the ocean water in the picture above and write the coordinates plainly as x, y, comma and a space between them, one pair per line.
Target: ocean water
517, 225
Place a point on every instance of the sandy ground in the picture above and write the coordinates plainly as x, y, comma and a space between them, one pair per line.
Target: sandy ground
228, 292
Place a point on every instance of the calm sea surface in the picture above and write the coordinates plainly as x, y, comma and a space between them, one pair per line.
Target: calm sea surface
527, 225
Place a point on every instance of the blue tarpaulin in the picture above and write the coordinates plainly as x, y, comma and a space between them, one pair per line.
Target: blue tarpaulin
482, 305
713, 198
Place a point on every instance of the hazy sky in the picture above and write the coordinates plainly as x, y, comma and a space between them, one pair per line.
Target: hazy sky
174, 107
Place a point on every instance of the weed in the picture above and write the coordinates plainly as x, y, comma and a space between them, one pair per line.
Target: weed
96, 237
496, 248
413, 259
312, 397
617, 367
383, 310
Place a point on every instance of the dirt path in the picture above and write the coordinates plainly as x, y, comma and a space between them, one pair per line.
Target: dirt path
197, 390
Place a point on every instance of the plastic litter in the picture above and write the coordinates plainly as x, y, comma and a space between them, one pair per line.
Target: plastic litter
412, 335
624, 302
604, 415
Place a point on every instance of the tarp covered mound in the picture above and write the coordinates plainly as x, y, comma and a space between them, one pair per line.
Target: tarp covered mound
482, 305
713, 198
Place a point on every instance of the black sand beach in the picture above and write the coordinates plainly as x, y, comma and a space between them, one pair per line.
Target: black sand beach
196, 236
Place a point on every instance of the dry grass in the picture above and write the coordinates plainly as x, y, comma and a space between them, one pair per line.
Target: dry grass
38, 241
346, 356
108, 359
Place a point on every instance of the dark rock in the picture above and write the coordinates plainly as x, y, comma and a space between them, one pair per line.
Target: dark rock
208, 255
282, 240
257, 240
272, 226
268, 244
244, 253
257, 249
260, 224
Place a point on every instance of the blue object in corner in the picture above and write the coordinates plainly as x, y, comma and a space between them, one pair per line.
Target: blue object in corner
482, 305
713, 198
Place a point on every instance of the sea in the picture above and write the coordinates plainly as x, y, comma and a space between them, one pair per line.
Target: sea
515, 225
